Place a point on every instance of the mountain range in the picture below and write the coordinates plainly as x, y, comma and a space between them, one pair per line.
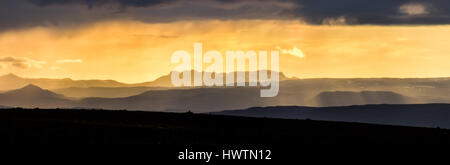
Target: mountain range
199, 99
293, 92
12, 81
195, 99
105, 92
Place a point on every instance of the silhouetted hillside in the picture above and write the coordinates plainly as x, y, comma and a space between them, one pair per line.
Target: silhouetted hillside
106, 92
169, 129
196, 99
421, 115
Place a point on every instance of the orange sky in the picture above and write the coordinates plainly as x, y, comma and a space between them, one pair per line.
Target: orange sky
135, 52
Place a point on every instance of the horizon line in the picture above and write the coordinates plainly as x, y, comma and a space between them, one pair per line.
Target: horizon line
289, 78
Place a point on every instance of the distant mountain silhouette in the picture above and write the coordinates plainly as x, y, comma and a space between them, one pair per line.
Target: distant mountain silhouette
345, 98
165, 81
421, 115
33, 96
106, 92
304, 92
293, 92
11, 81
196, 99
4, 107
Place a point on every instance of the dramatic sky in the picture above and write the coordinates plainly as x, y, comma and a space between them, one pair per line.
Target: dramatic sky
133, 40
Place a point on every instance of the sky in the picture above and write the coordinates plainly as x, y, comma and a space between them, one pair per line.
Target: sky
132, 41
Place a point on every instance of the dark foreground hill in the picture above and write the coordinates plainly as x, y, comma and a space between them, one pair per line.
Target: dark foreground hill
168, 129
419, 115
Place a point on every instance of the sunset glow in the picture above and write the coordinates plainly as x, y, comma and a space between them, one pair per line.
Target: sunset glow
136, 52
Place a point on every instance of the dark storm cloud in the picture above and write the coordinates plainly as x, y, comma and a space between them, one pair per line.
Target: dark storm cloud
29, 13
101, 3
375, 11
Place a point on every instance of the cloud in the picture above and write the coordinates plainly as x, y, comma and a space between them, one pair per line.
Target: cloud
119, 4
55, 68
413, 9
294, 52
335, 21
62, 13
69, 61
21, 62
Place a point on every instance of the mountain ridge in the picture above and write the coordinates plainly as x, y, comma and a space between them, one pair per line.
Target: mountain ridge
11, 81
31, 96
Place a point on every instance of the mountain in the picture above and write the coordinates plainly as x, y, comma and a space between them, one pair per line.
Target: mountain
304, 92
421, 115
4, 107
196, 100
345, 98
106, 92
165, 81
32, 96
167, 131
11, 81
292, 92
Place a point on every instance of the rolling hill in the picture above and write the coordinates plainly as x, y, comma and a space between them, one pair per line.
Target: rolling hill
65, 126
199, 99
32, 96
106, 92
196, 100
345, 98
218, 99
4, 107
421, 115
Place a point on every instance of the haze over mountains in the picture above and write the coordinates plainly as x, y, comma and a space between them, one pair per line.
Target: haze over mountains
293, 92
33, 96
343, 98
106, 92
12, 81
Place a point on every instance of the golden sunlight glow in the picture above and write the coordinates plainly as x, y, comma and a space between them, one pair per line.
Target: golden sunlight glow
136, 52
